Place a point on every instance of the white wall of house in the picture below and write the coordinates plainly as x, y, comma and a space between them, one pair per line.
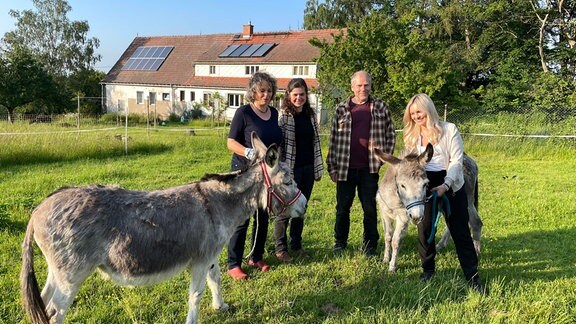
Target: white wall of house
122, 97
239, 70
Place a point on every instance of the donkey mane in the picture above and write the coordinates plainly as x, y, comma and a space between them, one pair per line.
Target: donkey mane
221, 177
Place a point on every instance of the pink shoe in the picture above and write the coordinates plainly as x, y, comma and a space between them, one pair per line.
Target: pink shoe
238, 274
260, 265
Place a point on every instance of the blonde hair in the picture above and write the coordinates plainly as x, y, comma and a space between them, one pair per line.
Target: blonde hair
411, 131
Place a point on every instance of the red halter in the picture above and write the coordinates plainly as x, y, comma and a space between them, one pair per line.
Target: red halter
272, 192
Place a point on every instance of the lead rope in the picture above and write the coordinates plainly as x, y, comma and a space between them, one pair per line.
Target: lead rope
443, 204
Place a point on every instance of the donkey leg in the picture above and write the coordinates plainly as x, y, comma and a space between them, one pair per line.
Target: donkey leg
444, 240
387, 224
198, 273
399, 233
48, 290
214, 283
63, 293
476, 227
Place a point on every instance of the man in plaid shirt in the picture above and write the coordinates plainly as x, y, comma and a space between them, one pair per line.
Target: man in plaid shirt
359, 124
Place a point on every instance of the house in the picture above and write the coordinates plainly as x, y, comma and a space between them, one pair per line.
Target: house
166, 75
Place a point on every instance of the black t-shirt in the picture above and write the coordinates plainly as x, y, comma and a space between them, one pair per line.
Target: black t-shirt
304, 140
245, 122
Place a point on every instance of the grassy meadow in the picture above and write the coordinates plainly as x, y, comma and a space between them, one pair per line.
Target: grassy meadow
527, 203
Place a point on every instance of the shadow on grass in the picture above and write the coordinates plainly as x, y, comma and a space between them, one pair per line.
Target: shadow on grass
536, 255
44, 157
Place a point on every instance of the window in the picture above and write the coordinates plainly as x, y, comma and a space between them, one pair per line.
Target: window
182, 95
165, 96
152, 98
207, 99
139, 97
251, 69
235, 100
300, 70
212, 69
192, 96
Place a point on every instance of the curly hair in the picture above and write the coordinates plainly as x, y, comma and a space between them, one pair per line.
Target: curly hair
257, 81
287, 104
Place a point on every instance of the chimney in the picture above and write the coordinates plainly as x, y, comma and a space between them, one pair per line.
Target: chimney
247, 31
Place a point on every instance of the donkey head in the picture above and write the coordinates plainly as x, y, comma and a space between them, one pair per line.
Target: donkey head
282, 195
410, 180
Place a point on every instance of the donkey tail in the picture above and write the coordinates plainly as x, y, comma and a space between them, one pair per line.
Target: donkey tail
32, 301
476, 194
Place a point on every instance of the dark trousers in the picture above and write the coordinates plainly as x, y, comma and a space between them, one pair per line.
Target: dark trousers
367, 185
304, 177
238, 239
457, 224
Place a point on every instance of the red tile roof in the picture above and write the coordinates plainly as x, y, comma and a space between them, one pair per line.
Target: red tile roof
292, 47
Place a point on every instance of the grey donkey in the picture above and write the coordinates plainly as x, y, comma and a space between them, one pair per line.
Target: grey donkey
401, 198
145, 237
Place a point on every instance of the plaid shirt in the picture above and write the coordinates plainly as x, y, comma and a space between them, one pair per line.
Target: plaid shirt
286, 123
382, 135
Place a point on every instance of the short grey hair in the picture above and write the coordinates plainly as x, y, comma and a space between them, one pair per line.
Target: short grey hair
256, 83
368, 76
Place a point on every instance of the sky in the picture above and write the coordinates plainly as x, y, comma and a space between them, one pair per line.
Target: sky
117, 22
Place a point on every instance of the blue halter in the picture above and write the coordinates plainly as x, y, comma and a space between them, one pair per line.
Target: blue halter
437, 207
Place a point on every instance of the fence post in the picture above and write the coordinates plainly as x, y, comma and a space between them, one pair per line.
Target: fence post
445, 111
78, 123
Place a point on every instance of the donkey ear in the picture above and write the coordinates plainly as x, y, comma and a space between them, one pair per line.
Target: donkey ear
426, 156
272, 155
258, 145
385, 157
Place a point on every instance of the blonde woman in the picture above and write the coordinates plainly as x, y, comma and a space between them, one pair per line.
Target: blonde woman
422, 125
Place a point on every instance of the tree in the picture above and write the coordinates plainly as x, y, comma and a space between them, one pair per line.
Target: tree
338, 13
58, 43
23, 80
85, 83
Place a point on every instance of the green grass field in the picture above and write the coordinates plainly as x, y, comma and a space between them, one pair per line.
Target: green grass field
527, 203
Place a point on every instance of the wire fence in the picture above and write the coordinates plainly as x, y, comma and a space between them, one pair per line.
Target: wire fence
560, 123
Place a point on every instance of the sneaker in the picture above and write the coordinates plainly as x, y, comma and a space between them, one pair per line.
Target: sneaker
237, 274
301, 254
370, 252
338, 247
259, 265
426, 276
477, 286
284, 257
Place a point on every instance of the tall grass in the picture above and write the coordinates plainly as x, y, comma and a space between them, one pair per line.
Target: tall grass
526, 202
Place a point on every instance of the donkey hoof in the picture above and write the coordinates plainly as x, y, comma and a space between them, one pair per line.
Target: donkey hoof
221, 308
392, 269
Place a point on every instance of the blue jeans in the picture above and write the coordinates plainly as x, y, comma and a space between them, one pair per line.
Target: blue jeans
367, 185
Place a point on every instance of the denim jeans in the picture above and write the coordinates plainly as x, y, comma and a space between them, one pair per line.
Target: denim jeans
367, 185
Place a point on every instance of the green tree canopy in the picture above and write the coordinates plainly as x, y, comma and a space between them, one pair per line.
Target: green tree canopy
24, 81
63, 46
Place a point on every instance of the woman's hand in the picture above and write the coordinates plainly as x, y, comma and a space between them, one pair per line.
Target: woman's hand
440, 190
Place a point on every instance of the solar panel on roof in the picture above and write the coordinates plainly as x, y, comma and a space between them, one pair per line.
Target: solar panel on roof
263, 50
246, 50
253, 48
239, 50
148, 58
228, 50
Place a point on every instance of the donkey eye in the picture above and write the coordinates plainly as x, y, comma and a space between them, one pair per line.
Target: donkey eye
403, 186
